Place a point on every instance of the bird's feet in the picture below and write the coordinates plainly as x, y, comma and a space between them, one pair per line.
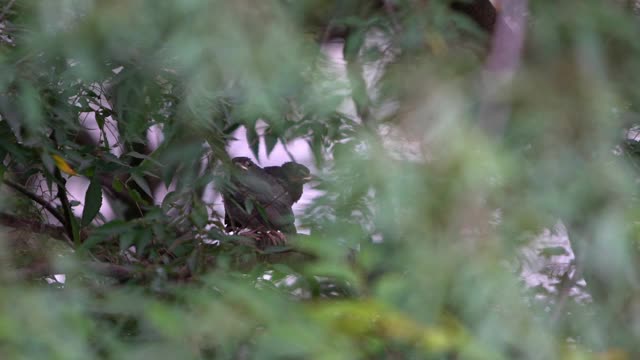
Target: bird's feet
274, 238
265, 239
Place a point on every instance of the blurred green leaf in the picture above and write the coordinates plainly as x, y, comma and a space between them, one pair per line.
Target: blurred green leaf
92, 201
199, 215
270, 140
140, 181
475, 194
117, 184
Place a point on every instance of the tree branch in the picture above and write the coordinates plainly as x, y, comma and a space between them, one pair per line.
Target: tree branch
47, 205
35, 226
41, 269
120, 273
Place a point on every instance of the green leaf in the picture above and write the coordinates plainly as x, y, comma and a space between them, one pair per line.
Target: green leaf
47, 161
270, 140
75, 231
248, 205
262, 212
135, 195
118, 186
168, 173
3, 168
548, 252
143, 238
99, 115
284, 269
142, 183
91, 93
199, 215
231, 128
138, 155
169, 200
3, 153
253, 140
107, 231
92, 201
126, 239
316, 148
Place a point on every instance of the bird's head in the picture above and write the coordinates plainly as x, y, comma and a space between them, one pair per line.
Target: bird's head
296, 173
243, 162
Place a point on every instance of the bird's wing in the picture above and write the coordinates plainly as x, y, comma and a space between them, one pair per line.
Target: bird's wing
271, 202
278, 173
294, 190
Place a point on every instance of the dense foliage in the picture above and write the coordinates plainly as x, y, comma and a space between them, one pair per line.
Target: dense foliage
446, 144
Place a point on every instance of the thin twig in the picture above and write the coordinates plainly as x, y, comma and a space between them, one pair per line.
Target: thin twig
21, 189
6, 9
64, 201
35, 226
286, 149
118, 272
62, 195
389, 9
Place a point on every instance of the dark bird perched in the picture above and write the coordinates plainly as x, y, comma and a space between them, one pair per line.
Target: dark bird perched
292, 177
256, 200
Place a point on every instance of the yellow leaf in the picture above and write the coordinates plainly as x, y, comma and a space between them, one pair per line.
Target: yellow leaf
436, 43
613, 354
63, 165
370, 318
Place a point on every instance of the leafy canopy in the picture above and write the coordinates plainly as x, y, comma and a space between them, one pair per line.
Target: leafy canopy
435, 167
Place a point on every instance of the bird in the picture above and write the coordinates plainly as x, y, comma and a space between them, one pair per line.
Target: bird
292, 177
256, 200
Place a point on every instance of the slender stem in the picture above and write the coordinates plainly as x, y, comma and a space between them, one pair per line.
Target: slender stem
66, 206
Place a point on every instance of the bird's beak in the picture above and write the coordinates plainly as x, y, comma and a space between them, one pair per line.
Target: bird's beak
243, 167
308, 178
